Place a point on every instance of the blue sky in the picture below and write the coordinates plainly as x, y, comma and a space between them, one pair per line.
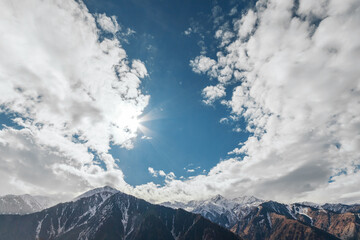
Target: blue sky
185, 132
253, 97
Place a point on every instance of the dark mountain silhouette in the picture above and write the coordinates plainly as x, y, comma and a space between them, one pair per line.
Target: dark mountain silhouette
110, 216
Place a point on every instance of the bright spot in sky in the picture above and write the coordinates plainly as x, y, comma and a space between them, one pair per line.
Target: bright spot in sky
132, 123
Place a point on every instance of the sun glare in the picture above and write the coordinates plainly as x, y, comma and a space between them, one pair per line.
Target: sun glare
133, 124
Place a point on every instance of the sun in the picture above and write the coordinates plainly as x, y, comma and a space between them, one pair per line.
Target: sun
132, 124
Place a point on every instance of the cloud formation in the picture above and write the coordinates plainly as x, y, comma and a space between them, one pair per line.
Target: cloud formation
161, 173
212, 93
294, 75
298, 88
73, 92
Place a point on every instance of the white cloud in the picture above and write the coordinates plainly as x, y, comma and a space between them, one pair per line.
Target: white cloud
224, 120
139, 69
298, 90
233, 11
246, 24
224, 36
162, 173
202, 64
188, 31
300, 94
108, 24
26, 162
212, 93
170, 176
71, 93
146, 137
152, 172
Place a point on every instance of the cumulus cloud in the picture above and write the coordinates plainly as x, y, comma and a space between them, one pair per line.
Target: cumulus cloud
139, 69
298, 89
202, 64
152, 172
212, 93
72, 93
224, 36
245, 25
108, 24
295, 81
161, 173
299, 92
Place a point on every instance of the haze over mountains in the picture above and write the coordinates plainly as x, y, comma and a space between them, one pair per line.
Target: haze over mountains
106, 213
22, 204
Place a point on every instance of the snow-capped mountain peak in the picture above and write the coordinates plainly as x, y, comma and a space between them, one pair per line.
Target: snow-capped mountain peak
23, 204
121, 216
219, 209
247, 200
217, 198
105, 192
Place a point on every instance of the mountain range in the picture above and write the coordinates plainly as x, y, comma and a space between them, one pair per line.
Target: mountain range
256, 219
22, 204
106, 213
223, 211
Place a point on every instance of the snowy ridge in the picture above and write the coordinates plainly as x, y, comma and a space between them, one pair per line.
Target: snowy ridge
311, 204
336, 207
24, 204
218, 209
303, 211
69, 216
105, 192
126, 217
228, 212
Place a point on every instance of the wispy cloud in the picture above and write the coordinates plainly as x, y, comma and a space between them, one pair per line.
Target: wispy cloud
146, 137
152, 172
161, 173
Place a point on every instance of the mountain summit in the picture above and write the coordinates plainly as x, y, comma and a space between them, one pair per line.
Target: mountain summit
218, 209
23, 204
255, 219
105, 192
119, 216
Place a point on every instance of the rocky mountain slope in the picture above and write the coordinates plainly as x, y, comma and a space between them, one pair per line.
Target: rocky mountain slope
340, 220
106, 213
300, 221
271, 220
220, 210
110, 216
23, 204
104, 192
253, 218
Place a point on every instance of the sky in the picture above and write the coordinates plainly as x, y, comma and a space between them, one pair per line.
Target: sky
181, 100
